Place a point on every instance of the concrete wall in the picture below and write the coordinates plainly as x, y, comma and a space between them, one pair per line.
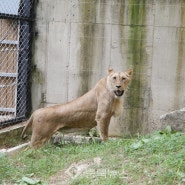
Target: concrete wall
79, 39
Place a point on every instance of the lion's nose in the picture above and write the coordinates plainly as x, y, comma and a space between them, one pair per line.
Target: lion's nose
118, 86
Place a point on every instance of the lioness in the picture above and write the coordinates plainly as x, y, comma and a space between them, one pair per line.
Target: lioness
93, 108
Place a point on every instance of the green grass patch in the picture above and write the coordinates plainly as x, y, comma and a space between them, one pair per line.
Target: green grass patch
156, 159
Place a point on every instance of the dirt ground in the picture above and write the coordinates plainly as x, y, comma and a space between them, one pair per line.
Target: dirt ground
75, 170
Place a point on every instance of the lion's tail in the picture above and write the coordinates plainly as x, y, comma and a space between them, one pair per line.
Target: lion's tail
29, 123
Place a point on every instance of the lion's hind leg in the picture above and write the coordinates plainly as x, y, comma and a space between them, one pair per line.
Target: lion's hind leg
38, 140
40, 135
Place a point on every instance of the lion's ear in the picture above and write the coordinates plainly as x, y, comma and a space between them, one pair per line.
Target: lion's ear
110, 70
129, 72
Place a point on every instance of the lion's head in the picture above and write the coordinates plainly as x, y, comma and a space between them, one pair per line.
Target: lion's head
118, 81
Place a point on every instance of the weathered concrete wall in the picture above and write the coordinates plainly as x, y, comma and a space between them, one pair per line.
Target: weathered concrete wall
79, 39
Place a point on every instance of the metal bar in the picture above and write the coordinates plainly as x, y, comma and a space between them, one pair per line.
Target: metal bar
17, 59
16, 17
14, 42
8, 85
12, 121
7, 109
13, 75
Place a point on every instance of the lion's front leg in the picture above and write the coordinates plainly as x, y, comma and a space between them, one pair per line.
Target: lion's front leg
103, 121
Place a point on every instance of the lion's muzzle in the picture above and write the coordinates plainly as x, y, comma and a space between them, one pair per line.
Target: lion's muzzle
119, 92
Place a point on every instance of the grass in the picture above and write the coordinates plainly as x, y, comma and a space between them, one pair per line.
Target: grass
156, 159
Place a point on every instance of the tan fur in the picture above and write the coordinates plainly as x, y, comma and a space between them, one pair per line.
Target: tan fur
96, 107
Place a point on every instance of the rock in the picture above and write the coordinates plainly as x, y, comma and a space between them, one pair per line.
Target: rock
59, 138
175, 119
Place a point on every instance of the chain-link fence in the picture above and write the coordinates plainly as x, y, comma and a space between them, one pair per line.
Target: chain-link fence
16, 17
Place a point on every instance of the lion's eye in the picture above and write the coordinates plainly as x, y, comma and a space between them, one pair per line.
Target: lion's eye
114, 77
123, 78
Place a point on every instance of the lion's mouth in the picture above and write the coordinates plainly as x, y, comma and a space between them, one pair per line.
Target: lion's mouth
118, 93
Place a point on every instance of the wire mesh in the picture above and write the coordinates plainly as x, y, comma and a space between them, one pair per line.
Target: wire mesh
15, 54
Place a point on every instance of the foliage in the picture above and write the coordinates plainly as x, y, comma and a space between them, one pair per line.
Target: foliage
155, 159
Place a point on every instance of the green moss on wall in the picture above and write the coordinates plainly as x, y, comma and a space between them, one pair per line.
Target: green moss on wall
180, 61
88, 13
136, 54
137, 14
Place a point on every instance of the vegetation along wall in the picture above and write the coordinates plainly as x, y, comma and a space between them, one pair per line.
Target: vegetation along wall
78, 40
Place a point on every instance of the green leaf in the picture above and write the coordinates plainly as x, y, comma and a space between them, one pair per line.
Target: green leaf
181, 174
168, 129
145, 140
2, 154
137, 145
30, 175
156, 137
29, 181
23, 183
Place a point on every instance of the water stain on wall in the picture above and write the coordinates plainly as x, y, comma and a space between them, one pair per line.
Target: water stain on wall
180, 61
90, 31
88, 12
136, 49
